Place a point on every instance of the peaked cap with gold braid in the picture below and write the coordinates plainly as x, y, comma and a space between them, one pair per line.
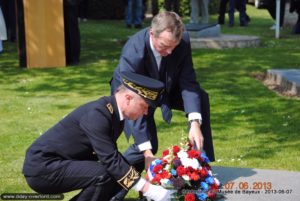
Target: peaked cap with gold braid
148, 88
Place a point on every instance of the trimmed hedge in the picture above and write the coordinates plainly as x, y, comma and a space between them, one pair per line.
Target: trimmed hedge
115, 9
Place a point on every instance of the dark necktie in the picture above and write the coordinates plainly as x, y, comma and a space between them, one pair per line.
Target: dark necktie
165, 105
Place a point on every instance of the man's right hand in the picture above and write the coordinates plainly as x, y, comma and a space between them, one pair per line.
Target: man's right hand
149, 157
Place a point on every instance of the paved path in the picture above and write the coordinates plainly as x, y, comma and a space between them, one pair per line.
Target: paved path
245, 184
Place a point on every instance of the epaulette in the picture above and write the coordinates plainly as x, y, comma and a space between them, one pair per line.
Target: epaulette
110, 108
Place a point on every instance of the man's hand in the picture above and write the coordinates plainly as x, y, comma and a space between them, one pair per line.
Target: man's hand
158, 193
149, 157
195, 136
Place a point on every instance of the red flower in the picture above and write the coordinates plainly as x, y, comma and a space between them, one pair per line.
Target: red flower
189, 169
189, 197
194, 176
211, 195
176, 149
157, 168
193, 154
214, 187
180, 170
165, 152
203, 173
165, 175
157, 179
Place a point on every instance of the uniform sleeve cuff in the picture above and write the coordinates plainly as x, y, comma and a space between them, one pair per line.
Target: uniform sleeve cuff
145, 146
139, 185
194, 115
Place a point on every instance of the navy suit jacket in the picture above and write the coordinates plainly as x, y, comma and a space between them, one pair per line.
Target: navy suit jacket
180, 77
89, 133
137, 57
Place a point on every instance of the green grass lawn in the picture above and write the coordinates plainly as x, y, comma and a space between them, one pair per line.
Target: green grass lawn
252, 126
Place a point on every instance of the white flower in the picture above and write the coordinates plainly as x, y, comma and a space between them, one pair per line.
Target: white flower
165, 183
217, 182
190, 162
186, 177
182, 154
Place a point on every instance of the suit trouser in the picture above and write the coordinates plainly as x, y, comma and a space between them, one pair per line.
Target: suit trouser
72, 34
90, 176
196, 6
240, 5
272, 10
241, 8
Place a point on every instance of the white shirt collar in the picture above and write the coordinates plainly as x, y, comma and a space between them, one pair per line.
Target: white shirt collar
120, 114
156, 54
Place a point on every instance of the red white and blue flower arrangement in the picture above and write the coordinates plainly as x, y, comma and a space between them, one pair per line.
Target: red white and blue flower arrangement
187, 171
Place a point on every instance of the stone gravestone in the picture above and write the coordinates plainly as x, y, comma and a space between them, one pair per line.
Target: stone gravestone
249, 184
206, 35
203, 30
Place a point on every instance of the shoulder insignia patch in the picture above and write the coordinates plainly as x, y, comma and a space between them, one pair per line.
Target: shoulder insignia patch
110, 108
129, 179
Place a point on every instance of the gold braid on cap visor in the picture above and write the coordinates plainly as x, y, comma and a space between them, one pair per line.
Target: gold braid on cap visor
146, 93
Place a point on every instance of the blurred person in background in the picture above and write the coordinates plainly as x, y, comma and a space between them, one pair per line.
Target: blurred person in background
172, 5
237, 4
83, 10
3, 33
9, 13
271, 7
295, 7
199, 7
72, 33
134, 14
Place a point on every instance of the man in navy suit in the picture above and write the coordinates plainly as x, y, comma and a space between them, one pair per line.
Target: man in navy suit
80, 151
163, 52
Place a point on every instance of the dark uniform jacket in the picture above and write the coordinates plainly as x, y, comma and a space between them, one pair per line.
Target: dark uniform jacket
179, 78
88, 133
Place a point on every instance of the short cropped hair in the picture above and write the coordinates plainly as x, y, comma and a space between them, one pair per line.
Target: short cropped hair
169, 21
122, 89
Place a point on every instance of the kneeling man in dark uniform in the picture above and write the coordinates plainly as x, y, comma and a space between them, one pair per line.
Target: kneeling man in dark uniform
80, 151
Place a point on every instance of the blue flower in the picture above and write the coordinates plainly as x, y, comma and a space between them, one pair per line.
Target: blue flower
204, 186
153, 164
205, 158
210, 180
158, 161
201, 196
174, 172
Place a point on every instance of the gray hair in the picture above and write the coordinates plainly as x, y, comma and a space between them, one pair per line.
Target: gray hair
169, 21
122, 89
